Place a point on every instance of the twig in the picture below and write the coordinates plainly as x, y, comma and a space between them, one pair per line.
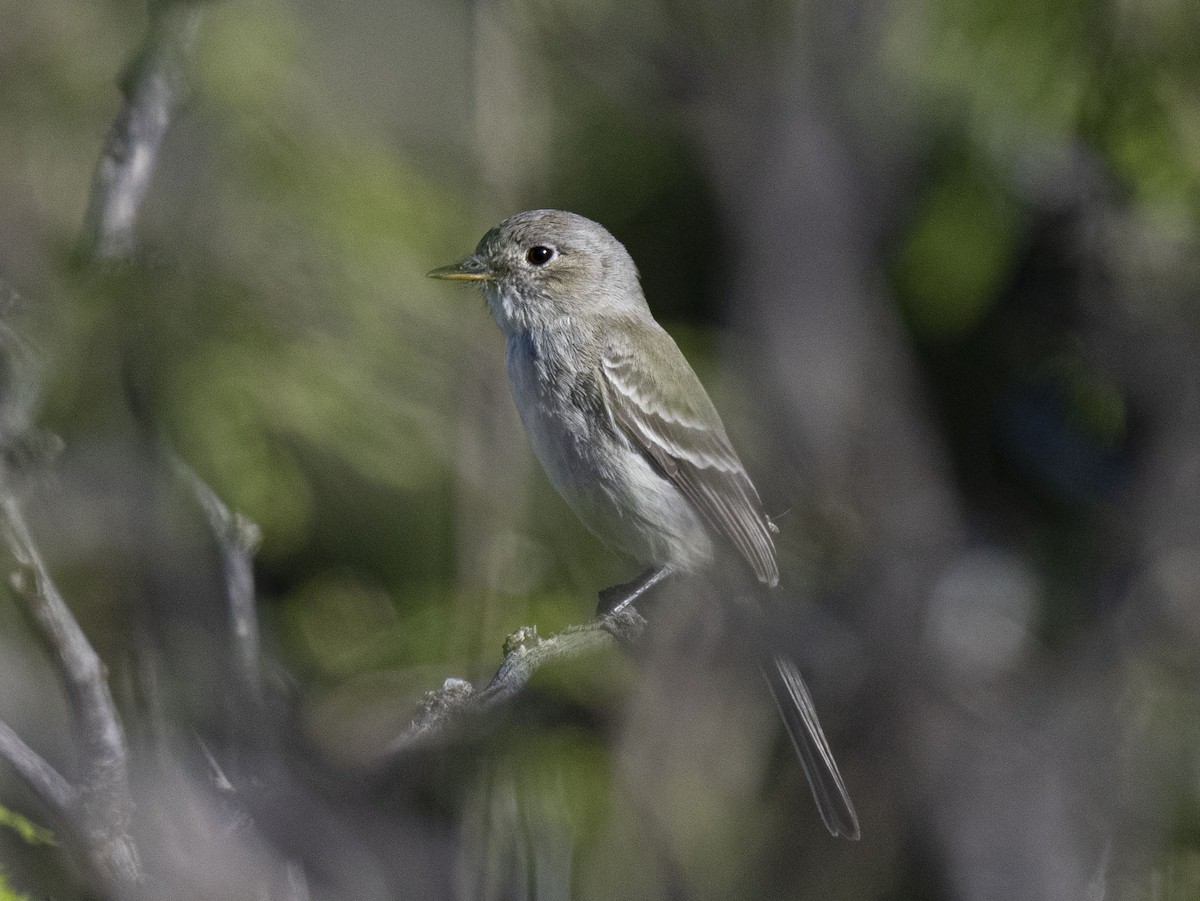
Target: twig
458, 702
238, 539
43, 779
155, 85
100, 805
104, 802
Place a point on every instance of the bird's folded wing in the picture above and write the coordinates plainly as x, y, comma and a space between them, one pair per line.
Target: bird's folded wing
670, 418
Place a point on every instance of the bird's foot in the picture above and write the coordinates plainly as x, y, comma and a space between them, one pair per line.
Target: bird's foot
617, 597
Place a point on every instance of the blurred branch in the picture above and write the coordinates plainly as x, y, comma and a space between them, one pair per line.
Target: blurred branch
238, 539
155, 85
99, 806
458, 702
104, 802
43, 780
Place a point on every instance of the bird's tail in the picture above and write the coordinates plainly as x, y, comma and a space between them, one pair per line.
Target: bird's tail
800, 718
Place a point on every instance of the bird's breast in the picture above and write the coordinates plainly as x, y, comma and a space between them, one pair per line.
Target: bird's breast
547, 392
612, 487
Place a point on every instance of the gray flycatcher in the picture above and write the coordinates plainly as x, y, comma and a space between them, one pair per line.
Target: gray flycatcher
628, 435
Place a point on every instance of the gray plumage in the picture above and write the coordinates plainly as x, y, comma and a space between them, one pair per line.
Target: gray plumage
615, 414
624, 429
799, 716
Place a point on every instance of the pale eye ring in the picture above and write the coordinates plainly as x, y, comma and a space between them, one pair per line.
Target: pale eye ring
539, 255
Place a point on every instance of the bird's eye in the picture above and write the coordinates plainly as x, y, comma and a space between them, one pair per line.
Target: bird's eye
539, 255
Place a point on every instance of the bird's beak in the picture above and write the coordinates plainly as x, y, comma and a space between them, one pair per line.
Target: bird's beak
472, 269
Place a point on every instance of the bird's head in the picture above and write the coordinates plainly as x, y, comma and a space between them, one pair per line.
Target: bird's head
542, 266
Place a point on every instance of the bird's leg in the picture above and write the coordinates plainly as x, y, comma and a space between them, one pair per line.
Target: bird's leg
618, 597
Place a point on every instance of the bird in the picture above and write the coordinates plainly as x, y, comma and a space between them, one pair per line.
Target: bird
629, 437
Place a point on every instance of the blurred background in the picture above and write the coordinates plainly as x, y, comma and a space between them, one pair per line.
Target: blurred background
938, 264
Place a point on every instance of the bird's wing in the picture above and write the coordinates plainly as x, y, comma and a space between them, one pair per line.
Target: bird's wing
656, 399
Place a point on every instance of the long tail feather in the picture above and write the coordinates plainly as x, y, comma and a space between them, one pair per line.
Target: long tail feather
800, 718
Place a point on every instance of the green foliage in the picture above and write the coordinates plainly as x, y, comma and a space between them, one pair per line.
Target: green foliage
345, 626
1022, 73
284, 336
30, 832
8, 893
1097, 406
957, 254
299, 339
997, 63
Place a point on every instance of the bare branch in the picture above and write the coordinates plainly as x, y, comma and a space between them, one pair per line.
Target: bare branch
238, 539
101, 803
43, 780
105, 805
155, 85
458, 702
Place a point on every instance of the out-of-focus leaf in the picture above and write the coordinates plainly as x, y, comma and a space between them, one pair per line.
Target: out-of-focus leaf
960, 249
31, 833
7, 893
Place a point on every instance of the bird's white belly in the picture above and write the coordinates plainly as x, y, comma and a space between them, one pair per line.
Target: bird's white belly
611, 487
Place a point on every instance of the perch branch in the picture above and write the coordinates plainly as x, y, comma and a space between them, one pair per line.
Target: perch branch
458, 702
